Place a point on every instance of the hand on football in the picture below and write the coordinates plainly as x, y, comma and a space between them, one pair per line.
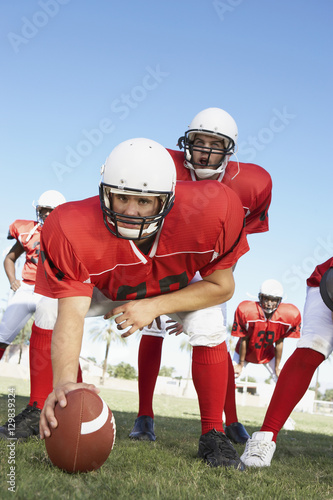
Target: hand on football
58, 395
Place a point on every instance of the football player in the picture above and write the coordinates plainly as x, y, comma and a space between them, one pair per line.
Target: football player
262, 327
117, 245
314, 346
208, 144
22, 303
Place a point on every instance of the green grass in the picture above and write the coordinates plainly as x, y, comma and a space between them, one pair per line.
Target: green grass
168, 469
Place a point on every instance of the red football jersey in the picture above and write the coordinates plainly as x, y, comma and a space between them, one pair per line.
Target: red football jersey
252, 183
202, 232
250, 322
27, 233
317, 274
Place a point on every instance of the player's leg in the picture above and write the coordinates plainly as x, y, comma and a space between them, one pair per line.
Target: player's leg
289, 424
149, 360
20, 308
41, 377
315, 345
210, 372
234, 430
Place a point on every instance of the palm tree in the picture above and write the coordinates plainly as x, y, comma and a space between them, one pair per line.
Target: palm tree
106, 331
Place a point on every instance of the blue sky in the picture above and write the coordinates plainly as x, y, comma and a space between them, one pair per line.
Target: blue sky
79, 77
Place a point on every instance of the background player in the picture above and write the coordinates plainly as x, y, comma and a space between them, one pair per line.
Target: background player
262, 327
22, 303
208, 144
314, 346
138, 181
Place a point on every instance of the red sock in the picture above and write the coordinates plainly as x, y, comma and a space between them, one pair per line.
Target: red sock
41, 375
291, 386
210, 378
2, 351
149, 361
230, 399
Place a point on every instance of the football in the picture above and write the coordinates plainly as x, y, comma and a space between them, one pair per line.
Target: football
85, 434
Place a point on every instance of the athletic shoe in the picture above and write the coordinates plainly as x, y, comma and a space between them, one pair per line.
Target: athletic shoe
259, 450
217, 451
143, 429
24, 425
236, 432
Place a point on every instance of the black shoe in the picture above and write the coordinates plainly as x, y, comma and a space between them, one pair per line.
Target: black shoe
236, 432
24, 425
216, 449
143, 429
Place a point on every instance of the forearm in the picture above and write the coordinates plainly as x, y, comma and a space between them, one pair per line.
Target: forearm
67, 339
9, 267
242, 351
278, 355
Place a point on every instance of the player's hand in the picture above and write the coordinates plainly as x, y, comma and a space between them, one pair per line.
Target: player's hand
174, 327
15, 285
238, 370
134, 315
277, 371
58, 395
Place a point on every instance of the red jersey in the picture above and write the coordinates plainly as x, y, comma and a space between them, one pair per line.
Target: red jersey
251, 322
27, 233
252, 184
203, 232
317, 274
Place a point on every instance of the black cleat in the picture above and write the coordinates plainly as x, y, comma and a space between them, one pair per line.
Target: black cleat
143, 429
236, 432
24, 425
217, 451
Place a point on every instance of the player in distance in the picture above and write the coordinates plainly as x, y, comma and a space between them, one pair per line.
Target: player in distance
314, 346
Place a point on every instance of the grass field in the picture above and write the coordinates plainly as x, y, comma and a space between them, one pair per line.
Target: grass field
302, 467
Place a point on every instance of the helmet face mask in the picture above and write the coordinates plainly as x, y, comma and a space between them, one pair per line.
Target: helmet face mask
188, 143
47, 202
268, 303
143, 226
219, 125
141, 168
270, 295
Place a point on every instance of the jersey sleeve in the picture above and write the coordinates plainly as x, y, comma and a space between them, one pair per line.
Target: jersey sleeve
294, 332
257, 220
15, 229
231, 243
239, 327
59, 271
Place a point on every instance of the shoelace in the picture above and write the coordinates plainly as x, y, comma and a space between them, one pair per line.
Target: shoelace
258, 448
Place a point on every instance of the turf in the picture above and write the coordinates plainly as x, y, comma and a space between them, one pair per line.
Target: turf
169, 469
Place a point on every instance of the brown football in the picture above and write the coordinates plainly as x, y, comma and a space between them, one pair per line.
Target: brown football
85, 434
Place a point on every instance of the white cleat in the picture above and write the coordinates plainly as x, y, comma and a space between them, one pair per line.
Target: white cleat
259, 450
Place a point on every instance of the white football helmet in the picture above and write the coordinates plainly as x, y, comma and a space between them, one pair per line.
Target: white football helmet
214, 122
270, 290
49, 199
137, 167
